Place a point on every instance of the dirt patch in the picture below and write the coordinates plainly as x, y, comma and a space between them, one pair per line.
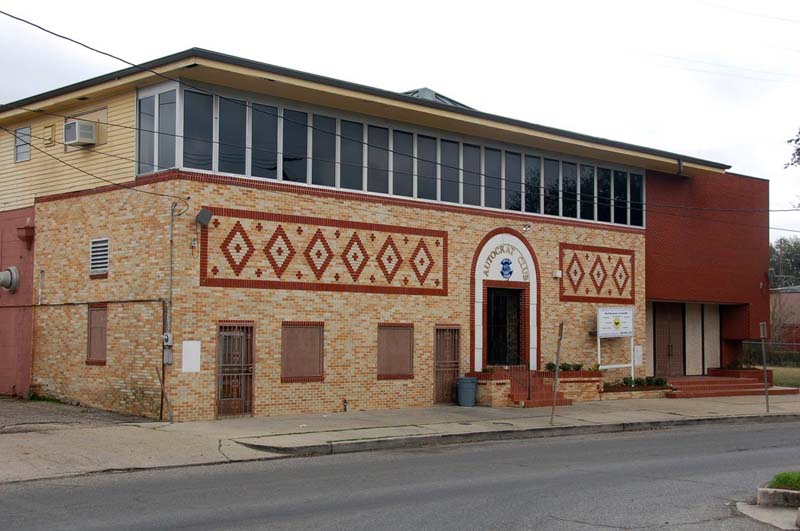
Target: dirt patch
23, 416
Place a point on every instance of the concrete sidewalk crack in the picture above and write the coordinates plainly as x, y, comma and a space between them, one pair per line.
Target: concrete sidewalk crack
219, 449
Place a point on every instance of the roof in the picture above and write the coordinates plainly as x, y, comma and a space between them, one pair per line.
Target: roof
419, 98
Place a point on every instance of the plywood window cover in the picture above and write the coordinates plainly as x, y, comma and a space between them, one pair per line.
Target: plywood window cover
286, 351
396, 375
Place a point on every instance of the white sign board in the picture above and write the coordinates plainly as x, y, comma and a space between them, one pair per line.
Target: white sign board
191, 356
615, 322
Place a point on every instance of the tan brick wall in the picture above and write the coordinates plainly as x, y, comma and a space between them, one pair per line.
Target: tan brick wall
493, 393
138, 227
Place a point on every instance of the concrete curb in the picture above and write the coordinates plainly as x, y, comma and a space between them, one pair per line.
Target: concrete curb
418, 441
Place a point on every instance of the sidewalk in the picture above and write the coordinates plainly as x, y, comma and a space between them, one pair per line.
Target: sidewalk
79, 449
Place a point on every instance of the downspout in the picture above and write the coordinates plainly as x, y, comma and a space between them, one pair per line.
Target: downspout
680, 167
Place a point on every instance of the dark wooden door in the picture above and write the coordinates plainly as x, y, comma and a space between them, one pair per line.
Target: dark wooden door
445, 367
669, 359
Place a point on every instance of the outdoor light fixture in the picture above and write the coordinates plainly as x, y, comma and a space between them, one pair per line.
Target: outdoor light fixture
526, 227
203, 217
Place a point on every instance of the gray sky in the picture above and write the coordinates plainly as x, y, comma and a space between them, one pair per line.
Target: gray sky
717, 79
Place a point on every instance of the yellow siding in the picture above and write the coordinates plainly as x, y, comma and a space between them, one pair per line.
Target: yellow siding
22, 182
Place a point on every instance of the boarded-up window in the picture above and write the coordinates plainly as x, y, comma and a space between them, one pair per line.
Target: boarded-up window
395, 351
301, 352
98, 316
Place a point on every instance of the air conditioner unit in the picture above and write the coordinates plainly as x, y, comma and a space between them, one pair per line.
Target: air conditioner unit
80, 133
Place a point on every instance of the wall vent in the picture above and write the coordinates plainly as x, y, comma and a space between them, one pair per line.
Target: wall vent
98, 256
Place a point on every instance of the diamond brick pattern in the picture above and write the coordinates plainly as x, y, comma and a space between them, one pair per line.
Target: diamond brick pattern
421, 262
318, 254
279, 251
262, 250
587, 270
389, 259
237, 248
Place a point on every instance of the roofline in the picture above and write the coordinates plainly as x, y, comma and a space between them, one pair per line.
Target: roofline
201, 53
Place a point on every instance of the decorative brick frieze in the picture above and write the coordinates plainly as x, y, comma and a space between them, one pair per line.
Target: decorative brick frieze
248, 249
597, 274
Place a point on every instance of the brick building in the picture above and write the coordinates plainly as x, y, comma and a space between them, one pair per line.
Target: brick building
309, 245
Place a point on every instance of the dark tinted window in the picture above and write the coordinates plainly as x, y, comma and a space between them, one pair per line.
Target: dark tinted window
323, 160
637, 217
569, 190
620, 197
403, 164
472, 175
166, 129
198, 130
147, 121
491, 178
513, 181
264, 155
533, 184
426, 167
352, 156
551, 187
295, 145
603, 194
378, 177
450, 183
587, 192
232, 135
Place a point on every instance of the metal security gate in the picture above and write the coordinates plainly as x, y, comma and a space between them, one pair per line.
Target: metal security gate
235, 370
447, 345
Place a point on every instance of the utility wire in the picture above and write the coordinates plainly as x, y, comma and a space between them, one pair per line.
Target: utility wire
90, 174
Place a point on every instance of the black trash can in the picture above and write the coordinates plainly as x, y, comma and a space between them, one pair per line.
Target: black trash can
466, 387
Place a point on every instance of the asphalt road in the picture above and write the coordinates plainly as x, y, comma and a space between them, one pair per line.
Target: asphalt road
686, 478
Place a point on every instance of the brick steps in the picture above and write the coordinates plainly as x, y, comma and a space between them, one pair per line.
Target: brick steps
715, 386
733, 391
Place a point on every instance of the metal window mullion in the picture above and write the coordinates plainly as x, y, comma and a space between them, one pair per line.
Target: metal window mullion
178, 127
628, 210
460, 172
578, 179
338, 155
215, 134
365, 155
156, 129
523, 188
502, 178
611, 199
438, 169
596, 194
483, 175
279, 143
309, 145
414, 164
642, 203
560, 188
248, 139
390, 161
541, 184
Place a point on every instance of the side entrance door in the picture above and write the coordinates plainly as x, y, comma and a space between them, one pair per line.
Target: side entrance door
445, 367
503, 327
235, 370
668, 352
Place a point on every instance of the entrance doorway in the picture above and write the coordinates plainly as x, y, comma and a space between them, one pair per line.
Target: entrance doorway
669, 340
446, 352
235, 370
503, 326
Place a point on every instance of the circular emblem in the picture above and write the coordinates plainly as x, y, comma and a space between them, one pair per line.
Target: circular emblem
505, 268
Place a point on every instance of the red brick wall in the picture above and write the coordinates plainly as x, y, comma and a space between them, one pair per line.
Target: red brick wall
15, 312
716, 256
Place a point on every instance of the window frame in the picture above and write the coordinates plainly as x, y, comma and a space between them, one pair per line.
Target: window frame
394, 376
18, 133
366, 121
155, 91
95, 307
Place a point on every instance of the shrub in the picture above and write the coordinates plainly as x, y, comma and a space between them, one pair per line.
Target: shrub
639, 382
565, 366
627, 381
577, 366
661, 382
649, 381
550, 366
786, 480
